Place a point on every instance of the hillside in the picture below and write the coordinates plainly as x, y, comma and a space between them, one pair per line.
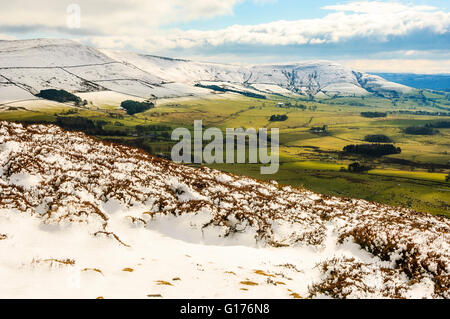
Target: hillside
108, 220
28, 66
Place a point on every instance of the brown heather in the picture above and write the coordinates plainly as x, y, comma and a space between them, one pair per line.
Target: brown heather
412, 244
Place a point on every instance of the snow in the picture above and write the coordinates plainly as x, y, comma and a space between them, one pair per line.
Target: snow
113, 71
272, 88
10, 93
184, 71
107, 98
24, 180
84, 219
32, 104
63, 64
48, 53
378, 84
344, 89
40, 79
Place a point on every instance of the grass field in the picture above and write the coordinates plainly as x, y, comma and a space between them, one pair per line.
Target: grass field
415, 178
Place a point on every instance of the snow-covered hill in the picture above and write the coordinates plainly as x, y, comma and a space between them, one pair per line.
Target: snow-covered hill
82, 218
33, 65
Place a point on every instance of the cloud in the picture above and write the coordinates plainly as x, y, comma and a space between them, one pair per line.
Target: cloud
110, 17
371, 21
346, 30
400, 65
389, 20
377, 7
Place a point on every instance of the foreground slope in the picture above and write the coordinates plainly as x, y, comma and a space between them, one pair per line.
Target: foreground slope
28, 66
82, 218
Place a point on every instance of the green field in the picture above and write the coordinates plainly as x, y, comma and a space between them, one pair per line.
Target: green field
415, 178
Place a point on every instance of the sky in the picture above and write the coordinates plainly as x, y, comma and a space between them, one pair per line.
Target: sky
377, 36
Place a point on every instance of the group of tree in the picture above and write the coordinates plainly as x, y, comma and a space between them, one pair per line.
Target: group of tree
81, 103
358, 168
424, 113
222, 89
374, 150
61, 96
440, 124
278, 118
420, 130
78, 123
377, 138
373, 114
154, 132
133, 107
91, 127
427, 129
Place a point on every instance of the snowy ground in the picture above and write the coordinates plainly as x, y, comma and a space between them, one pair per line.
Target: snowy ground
179, 266
84, 219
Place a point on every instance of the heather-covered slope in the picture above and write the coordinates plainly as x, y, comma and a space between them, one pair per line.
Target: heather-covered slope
80, 218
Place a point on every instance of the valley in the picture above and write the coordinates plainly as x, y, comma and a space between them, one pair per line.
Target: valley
415, 178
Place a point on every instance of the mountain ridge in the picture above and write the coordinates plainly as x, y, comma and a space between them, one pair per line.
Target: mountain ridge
69, 64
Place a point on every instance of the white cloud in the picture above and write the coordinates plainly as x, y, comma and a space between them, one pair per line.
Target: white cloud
138, 24
375, 20
110, 17
377, 7
400, 65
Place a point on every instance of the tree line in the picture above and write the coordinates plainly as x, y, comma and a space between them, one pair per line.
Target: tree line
374, 150
278, 118
373, 114
133, 107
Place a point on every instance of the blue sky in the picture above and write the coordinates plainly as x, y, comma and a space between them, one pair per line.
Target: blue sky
249, 12
380, 35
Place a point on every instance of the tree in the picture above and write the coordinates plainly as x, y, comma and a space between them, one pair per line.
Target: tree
420, 130
375, 150
278, 118
358, 168
133, 107
373, 114
61, 96
377, 138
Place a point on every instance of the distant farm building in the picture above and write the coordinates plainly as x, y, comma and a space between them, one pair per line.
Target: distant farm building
318, 129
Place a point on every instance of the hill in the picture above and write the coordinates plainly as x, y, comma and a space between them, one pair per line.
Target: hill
29, 66
108, 220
